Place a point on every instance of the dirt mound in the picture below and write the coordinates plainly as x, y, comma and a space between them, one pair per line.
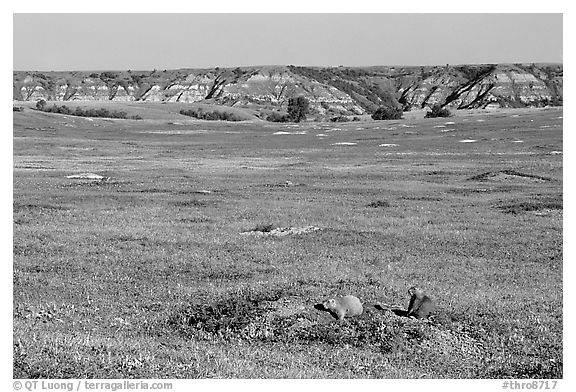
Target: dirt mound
504, 175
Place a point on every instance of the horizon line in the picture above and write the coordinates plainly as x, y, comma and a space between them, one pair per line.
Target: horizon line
293, 65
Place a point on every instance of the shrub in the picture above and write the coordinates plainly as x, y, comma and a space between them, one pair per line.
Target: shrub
438, 111
340, 119
277, 117
79, 112
61, 109
214, 115
189, 113
387, 113
41, 104
102, 112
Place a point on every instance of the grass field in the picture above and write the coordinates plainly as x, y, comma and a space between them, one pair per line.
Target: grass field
157, 271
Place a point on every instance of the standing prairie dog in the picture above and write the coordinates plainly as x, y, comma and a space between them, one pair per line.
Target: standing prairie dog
341, 307
420, 304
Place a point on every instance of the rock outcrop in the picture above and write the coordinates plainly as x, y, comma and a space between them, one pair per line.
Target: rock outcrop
336, 90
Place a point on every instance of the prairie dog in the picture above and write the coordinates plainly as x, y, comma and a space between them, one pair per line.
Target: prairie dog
420, 304
341, 307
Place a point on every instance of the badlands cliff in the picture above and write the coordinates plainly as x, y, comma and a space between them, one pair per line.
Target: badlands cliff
333, 90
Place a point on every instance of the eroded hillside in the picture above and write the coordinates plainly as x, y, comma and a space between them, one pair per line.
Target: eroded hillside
335, 90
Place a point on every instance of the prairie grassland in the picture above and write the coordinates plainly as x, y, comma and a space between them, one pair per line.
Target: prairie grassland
148, 274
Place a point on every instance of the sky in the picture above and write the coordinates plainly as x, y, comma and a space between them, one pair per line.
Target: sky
86, 41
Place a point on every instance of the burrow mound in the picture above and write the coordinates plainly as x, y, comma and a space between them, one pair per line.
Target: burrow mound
275, 317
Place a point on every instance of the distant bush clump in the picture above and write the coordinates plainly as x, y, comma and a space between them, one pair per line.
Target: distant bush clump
298, 108
277, 117
101, 113
387, 113
108, 75
438, 111
340, 119
214, 115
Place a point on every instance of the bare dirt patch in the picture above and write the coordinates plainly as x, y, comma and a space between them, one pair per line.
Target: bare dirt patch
87, 176
268, 230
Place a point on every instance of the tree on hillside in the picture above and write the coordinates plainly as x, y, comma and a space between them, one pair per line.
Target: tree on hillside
298, 108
